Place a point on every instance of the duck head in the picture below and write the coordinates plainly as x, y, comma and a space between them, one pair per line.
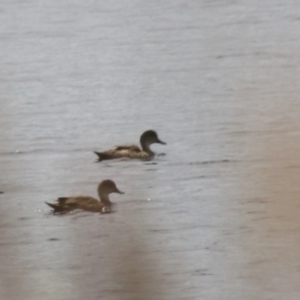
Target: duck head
107, 187
150, 137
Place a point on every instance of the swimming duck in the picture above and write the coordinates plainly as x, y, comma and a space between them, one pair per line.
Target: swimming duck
148, 138
67, 204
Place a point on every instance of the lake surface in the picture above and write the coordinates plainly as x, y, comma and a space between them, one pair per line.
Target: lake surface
217, 217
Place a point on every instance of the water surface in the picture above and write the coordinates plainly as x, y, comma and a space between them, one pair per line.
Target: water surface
218, 216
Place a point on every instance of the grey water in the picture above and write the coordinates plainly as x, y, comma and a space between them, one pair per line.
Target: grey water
217, 217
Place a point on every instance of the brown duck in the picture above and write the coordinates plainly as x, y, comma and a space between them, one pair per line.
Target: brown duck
67, 204
148, 138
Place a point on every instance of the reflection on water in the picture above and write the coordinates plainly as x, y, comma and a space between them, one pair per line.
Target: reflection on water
217, 216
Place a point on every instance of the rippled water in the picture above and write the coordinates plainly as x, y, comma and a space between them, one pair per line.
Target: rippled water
218, 216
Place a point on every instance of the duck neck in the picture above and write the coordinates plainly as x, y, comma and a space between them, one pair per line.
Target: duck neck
146, 147
104, 198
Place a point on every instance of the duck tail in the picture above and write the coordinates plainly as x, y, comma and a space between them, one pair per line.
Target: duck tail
101, 156
56, 207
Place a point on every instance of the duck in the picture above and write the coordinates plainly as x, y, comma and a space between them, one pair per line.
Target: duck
87, 203
148, 138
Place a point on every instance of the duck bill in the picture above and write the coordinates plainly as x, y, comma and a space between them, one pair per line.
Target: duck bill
119, 192
161, 142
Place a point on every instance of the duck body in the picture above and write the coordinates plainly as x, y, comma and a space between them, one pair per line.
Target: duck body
148, 138
130, 151
67, 204
86, 203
